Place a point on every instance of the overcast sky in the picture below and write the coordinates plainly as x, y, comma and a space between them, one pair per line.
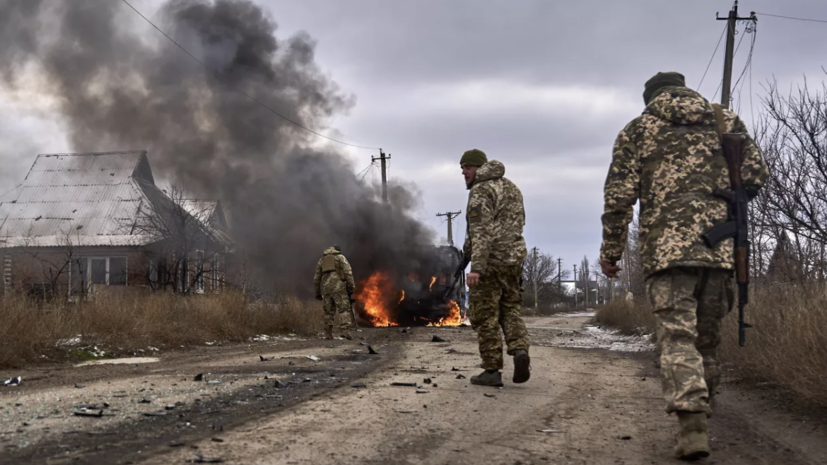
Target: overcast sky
542, 86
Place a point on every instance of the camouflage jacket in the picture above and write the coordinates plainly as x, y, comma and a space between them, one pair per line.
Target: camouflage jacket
333, 274
495, 218
670, 158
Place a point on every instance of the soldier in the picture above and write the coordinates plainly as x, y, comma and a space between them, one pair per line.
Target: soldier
671, 159
334, 286
495, 246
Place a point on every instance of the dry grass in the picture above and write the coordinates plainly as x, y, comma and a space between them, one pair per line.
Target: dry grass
787, 347
124, 322
628, 316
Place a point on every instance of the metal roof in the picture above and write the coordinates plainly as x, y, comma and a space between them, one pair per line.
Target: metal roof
79, 198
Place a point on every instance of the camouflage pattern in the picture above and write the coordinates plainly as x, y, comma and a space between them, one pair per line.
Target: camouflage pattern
689, 304
337, 304
495, 303
330, 283
334, 291
495, 217
670, 158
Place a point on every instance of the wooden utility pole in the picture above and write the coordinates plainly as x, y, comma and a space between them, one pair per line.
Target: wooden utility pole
383, 159
450, 216
535, 276
731, 20
575, 286
559, 277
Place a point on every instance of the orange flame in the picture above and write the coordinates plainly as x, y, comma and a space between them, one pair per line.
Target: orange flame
433, 280
372, 294
453, 319
402, 298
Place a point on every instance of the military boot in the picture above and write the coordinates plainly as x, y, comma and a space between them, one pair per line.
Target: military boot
488, 378
522, 367
346, 335
328, 332
693, 439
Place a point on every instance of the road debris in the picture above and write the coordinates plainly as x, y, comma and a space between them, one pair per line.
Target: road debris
358, 385
79, 386
160, 413
438, 339
489, 395
265, 359
216, 440
313, 357
550, 431
176, 444
13, 381
624, 438
88, 413
396, 383
201, 459
372, 351
214, 381
460, 377
199, 377
279, 384
427, 381
421, 391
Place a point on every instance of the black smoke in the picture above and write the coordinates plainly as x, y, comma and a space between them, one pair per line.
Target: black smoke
120, 85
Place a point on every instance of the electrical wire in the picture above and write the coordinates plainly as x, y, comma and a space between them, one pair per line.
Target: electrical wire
794, 18
712, 57
217, 75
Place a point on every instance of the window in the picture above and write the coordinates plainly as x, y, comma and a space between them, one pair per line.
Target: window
215, 278
109, 271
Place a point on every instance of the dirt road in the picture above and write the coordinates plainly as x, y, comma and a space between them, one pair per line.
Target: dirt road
593, 398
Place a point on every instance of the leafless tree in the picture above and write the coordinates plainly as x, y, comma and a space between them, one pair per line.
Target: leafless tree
541, 277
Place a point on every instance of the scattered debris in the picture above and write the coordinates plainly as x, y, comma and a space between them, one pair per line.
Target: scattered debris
214, 381
79, 386
403, 411
260, 338
404, 330
307, 380
489, 395
201, 459
144, 401
216, 440
358, 385
624, 438
427, 381
88, 413
456, 369
420, 391
460, 377
372, 351
176, 444
278, 384
265, 359
438, 339
403, 384
313, 357
290, 363
13, 381
434, 385
120, 361
550, 431
159, 413
199, 377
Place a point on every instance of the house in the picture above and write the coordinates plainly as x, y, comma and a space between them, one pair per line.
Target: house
84, 221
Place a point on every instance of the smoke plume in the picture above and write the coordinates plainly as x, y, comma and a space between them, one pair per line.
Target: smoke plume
122, 86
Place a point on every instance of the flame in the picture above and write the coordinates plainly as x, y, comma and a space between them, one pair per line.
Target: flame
433, 280
402, 298
372, 294
453, 319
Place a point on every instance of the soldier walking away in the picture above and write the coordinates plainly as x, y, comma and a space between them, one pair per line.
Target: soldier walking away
495, 246
334, 286
671, 159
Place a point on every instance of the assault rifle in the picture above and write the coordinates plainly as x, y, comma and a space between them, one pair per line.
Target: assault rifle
457, 274
736, 225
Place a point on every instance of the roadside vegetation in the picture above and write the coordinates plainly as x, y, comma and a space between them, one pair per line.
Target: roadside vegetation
140, 322
786, 347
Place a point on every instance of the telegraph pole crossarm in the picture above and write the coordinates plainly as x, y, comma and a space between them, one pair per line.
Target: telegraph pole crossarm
450, 218
383, 158
732, 18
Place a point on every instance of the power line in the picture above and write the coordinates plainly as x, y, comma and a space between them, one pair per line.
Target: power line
712, 57
239, 90
794, 18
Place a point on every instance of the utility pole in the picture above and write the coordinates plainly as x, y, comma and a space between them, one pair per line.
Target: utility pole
575, 286
559, 277
535, 277
383, 159
450, 216
731, 20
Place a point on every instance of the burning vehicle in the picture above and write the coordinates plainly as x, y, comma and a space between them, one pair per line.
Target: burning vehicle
427, 296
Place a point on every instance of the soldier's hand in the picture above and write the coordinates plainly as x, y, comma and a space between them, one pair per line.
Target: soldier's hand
609, 269
318, 297
473, 279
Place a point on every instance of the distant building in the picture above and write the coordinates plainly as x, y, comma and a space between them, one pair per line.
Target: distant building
81, 222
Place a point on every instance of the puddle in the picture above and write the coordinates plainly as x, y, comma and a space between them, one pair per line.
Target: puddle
120, 361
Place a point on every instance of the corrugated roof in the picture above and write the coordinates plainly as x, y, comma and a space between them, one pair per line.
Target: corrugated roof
92, 198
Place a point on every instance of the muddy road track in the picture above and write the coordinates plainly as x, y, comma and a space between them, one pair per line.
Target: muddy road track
593, 398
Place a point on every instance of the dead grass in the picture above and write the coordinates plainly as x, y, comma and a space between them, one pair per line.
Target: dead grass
126, 322
787, 347
628, 316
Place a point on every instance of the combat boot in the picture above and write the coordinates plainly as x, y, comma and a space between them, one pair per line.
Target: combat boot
346, 335
693, 439
488, 378
522, 367
328, 332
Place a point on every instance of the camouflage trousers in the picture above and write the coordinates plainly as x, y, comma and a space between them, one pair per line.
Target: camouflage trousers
494, 304
337, 304
689, 304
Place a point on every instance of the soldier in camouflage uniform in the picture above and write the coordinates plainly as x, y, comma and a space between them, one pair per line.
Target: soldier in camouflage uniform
671, 159
494, 243
334, 286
